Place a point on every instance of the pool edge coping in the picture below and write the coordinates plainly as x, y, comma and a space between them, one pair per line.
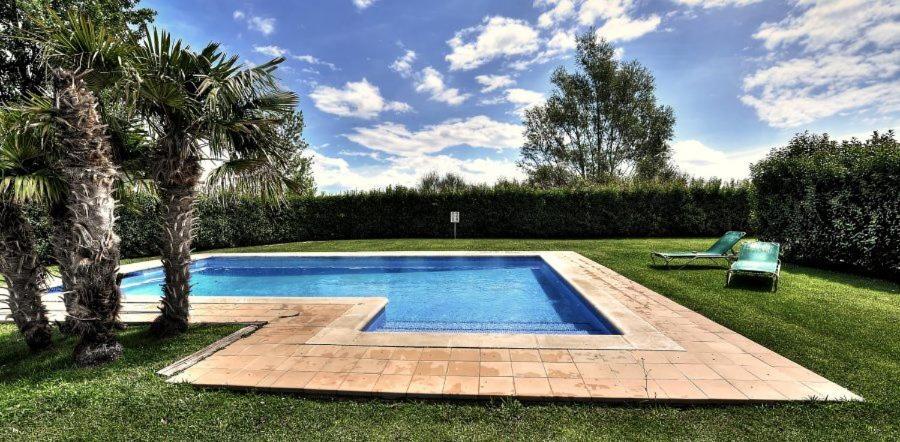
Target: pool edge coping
348, 329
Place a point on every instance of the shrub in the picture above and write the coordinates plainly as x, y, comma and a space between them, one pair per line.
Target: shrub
833, 204
671, 209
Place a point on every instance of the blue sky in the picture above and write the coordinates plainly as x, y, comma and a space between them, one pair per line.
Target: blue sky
392, 89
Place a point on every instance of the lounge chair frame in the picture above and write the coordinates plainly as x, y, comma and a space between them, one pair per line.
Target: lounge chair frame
713, 252
728, 258
774, 276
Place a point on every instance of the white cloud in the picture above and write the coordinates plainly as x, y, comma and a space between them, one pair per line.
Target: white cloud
827, 58
592, 10
625, 28
271, 50
306, 58
496, 37
562, 41
560, 10
494, 82
336, 174
358, 99
238, 15
277, 51
699, 160
403, 65
824, 23
478, 131
363, 4
523, 99
261, 24
432, 82
707, 4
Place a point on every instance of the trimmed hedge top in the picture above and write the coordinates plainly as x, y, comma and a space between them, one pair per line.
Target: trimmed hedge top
672, 209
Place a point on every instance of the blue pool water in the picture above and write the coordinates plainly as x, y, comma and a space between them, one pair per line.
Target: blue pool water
519, 294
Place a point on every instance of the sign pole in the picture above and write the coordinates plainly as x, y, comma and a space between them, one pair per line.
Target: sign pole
454, 219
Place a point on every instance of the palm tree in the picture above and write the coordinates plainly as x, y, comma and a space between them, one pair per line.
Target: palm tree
84, 59
24, 178
199, 106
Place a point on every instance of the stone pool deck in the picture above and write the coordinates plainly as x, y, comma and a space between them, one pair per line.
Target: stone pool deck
314, 346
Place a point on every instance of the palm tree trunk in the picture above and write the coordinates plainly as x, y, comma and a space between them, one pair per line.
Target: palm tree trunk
59, 241
93, 246
24, 274
178, 180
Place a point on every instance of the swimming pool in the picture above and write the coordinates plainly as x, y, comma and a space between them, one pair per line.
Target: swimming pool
475, 294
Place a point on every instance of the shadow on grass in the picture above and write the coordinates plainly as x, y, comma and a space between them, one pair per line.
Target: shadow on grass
142, 351
750, 283
853, 280
689, 267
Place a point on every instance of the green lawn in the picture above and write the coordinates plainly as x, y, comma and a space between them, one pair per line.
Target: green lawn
842, 326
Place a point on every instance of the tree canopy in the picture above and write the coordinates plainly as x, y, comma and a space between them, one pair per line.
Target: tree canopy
601, 122
21, 72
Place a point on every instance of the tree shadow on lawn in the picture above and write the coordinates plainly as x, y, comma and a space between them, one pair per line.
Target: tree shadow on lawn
687, 268
142, 352
865, 282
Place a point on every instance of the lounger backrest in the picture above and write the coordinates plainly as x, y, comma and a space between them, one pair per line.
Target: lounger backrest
726, 242
760, 252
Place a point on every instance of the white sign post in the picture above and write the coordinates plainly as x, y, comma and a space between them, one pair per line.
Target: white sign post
454, 218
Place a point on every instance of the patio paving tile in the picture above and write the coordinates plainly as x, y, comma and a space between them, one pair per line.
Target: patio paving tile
326, 381
463, 386
375, 366
495, 369
496, 386
426, 385
663, 371
248, 378
431, 368
463, 368
524, 355
378, 353
400, 367
719, 389
702, 361
359, 382
435, 354
733, 372
528, 370
561, 370
394, 384
494, 355
555, 356
568, 387
293, 379
792, 389
465, 354
757, 390
531, 387
697, 371
680, 389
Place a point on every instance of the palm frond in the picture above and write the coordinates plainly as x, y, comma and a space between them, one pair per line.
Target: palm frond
250, 176
76, 42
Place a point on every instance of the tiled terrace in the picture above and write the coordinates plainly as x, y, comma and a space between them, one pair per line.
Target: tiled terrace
702, 361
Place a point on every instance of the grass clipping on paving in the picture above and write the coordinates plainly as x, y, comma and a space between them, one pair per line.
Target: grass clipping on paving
841, 326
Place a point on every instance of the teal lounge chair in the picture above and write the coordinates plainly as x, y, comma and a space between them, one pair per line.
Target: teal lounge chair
757, 259
722, 249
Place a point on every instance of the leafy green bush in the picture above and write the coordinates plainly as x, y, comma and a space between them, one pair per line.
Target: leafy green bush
833, 204
674, 209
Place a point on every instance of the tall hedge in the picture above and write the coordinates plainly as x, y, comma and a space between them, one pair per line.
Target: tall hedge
833, 204
677, 209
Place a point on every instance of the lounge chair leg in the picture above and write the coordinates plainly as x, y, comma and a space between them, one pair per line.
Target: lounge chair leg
774, 284
727, 278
